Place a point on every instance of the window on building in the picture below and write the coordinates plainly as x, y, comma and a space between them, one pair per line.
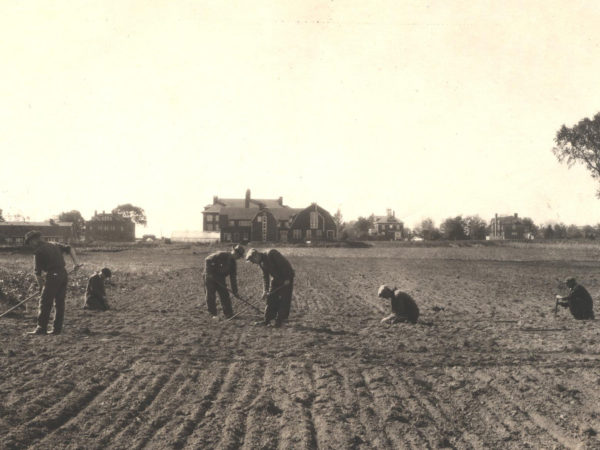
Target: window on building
330, 235
297, 234
319, 233
244, 223
236, 237
308, 235
314, 220
232, 223
217, 227
226, 237
259, 218
245, 236
209, 227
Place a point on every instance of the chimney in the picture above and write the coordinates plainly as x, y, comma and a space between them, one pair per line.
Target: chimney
389, 212
516, 215
247, 202
393, 213
280, 201
215, 199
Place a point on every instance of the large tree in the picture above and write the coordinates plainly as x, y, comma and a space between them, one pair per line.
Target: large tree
132, 212
362, 226
1, 217
427, 230
580, 144
475, 227
76, 218
453, 228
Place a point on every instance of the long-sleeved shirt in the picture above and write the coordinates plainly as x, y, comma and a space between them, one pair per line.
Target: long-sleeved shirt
48, 257
275, 265
222, 264
580, 303
404, 305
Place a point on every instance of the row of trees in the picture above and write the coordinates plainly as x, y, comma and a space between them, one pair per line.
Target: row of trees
463, 228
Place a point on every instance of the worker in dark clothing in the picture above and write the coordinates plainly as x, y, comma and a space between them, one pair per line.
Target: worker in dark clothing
49, 258
278, 277
579, 301
404, 308
218, 266
95, 294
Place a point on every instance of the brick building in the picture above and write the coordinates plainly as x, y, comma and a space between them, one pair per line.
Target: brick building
109, 227
387, 227
508, 227
13, 233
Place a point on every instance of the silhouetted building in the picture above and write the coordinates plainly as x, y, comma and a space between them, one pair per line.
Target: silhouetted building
13, 233
109, 227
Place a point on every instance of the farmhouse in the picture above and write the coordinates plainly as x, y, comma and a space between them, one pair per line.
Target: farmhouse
312, 224
508, 227
13, 233
387, 227
109, 227
248, 219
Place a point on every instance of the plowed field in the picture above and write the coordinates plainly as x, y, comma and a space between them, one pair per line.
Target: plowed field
488, 365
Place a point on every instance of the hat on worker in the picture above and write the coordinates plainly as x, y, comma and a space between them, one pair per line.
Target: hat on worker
32, 235
250, 254
106, 272
570, 281
239, 250
384, 291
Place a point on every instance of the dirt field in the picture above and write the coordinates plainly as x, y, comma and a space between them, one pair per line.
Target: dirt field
488, 366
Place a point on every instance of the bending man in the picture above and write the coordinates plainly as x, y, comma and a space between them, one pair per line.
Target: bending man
218, 266
278, 290
95, 294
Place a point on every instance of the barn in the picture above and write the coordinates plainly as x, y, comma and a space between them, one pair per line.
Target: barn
312, 224
13, 233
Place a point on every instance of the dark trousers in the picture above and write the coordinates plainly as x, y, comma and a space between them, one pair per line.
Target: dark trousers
212, 285
279, 302
54, 292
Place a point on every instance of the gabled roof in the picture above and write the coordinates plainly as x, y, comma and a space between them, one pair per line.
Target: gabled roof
255, 203
35, 224
386, 219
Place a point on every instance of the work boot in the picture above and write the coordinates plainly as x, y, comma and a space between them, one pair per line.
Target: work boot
260, 323
38, 330
56, 331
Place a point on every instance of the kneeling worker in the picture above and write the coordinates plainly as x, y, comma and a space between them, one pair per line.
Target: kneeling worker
579, 300
218, 266
404, 308
278, 291
95, 295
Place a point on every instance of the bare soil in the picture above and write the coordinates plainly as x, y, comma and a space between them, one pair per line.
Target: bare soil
488, 365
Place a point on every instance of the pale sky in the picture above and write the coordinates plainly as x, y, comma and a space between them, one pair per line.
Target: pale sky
430, 108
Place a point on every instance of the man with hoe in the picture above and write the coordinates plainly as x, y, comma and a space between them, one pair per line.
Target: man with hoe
579, 300
95, 294
278, 290
404, 308
218, 266
49, 258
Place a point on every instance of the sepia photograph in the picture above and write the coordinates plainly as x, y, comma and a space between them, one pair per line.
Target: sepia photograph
313, 224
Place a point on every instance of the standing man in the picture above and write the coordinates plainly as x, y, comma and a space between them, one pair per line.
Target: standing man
278, 291
404, 308
218, 266
95, 294
579, 301
49, 258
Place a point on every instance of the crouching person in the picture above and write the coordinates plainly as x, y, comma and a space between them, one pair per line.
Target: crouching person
95, 294
404, 308
579, 301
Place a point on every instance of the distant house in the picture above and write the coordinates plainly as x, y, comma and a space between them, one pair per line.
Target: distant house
508, 227
13, 233
248, 219
387, 227
109, 227
312, 224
